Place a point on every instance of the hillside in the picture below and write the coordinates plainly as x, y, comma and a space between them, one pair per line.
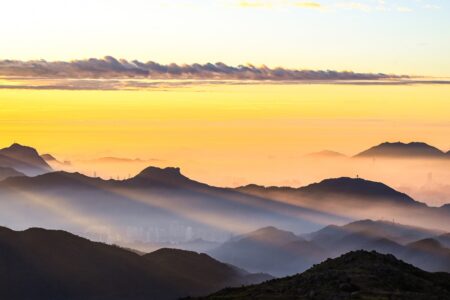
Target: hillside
46, 264
355, 275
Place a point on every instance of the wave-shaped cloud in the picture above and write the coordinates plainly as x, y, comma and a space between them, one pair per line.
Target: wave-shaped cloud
110, 67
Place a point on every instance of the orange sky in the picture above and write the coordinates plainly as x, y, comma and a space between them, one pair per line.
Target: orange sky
225, 134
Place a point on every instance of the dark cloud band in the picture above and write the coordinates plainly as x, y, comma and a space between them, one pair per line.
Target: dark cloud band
109, 67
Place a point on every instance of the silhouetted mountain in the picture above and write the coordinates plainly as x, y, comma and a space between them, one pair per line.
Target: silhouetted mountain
156, 199
356, 199
381, 245
412, 244
326, 154
55, 180
44, 264
48, 157
6, 172
270, 250
152, 201
368, 229
402, 150
282, 253
428, 254
355, 275
167, 177
51, 160
23, 159
356, 188
202, 268
344, 187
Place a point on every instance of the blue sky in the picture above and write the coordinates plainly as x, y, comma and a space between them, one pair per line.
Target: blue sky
391, 36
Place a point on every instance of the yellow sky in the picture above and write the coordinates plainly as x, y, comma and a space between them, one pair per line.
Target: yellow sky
224, 134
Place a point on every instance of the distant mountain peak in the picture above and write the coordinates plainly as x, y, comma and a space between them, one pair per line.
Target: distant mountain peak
270, 234
54, 179
24, 159
326, 154
169, 176
346, 186
48, 157
400, 149
426, 244
152, 171
19, 148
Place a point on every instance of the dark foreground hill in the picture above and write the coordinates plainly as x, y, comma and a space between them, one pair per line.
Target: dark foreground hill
45, 264
355, 275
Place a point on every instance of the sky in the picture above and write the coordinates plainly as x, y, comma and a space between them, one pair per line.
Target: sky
389, 36
227, 134
62, 93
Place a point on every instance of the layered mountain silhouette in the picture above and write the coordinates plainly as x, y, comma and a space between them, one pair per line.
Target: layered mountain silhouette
329, 235
157, 198
152, 202
415, 245
428, 254
356, 199
283, 253
270, 250
397, 150
50, 159
356, 188
355, 275
23, 159
344, 187
6, 172
402, 150
45, 264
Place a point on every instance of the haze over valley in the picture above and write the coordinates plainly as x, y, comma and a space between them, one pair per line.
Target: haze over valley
225, 149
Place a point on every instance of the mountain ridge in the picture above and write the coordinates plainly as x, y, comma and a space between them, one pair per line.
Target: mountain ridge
402, 150
358, 274
54, 264
24, 159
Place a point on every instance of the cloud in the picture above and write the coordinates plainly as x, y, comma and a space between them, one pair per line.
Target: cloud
112, 68
110, 73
